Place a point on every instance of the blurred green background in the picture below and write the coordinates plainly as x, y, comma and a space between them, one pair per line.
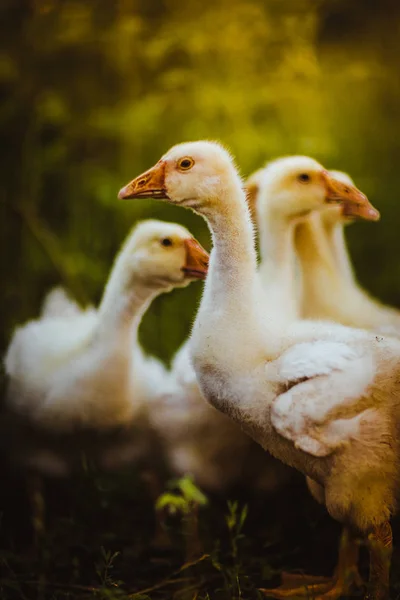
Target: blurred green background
92, 93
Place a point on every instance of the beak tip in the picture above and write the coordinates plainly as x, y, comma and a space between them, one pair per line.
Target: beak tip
122, 194
361, 211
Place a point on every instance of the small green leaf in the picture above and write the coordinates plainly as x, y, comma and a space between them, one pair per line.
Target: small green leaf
173, 502
191, 492
243, 515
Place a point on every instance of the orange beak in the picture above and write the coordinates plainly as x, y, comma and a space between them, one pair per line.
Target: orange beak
355, 203
197, 258
150, 184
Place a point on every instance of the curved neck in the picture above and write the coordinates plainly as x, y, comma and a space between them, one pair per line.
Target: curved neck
325, 290
335, 234
312, 245
278, 266
232, 294
314, 252
330, 289
234, 253
125, 300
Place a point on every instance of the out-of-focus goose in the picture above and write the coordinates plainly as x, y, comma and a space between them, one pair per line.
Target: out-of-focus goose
330, 289
279, 198
275, 223
79, 379
323, 398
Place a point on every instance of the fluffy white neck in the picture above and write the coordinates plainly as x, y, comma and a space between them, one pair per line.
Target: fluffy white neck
313, 247
334, 232
278, 267
230, 322
234, 254
320, 279
126, 298
330, 288
330, 291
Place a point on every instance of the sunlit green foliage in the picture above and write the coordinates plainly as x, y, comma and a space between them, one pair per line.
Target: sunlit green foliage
182, 501
94, 92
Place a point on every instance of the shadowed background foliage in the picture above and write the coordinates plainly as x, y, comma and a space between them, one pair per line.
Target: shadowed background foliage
92, 93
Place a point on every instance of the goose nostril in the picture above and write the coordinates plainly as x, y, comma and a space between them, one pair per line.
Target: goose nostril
141, 182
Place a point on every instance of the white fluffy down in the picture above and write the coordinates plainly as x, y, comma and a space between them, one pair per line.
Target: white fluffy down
75, 370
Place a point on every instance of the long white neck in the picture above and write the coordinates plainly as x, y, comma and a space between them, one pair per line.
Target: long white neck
334, 232
321, 280
362, 309
125, 300
278, 267
229, 324
329, 290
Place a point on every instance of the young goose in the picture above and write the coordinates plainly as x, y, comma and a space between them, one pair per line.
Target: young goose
76, 377
180, 416
279, 198
330, 289
321, 397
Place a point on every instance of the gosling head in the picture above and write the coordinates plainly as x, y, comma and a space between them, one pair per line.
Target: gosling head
294, 186
163, 255
194, 174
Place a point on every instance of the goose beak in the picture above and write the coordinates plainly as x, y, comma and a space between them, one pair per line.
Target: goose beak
150, 184
361, 209
197, 258
354, 202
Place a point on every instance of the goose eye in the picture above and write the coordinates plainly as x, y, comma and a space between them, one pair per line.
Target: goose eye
304, 178
166, 242
186, 163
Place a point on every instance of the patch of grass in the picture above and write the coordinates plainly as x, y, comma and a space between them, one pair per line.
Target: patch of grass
99, 541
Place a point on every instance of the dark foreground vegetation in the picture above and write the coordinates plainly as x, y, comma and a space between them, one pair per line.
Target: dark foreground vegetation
99, 542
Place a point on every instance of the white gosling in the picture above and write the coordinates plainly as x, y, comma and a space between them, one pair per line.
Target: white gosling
280, 196
330, 288
321, 397
84, 371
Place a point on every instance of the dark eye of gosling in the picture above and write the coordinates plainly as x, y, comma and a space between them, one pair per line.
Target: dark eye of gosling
166, 242
186, 163
304, 178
